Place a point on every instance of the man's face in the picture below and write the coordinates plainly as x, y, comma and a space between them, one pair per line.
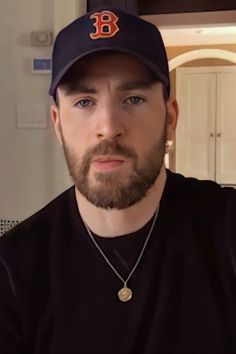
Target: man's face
113, 126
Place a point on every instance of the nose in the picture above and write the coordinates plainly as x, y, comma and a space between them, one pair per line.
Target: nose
110, 122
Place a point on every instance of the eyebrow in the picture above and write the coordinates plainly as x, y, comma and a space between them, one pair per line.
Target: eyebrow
78, 87
140, 84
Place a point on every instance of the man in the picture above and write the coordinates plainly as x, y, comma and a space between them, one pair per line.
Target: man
133, 258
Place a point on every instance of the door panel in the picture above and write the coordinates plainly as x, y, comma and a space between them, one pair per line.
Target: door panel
226, 128
195, 138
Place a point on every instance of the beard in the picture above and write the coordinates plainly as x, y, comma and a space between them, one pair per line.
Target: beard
109, 190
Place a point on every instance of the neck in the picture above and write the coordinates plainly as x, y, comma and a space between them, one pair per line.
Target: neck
112, 223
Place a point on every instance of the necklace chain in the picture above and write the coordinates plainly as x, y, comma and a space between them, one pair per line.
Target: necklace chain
138, 259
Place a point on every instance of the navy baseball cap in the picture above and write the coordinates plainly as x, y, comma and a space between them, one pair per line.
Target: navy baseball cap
109, 29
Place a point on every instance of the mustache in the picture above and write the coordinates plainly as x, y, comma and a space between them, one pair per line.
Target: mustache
110, 148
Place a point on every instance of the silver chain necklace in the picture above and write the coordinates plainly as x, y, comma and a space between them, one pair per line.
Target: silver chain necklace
125, 293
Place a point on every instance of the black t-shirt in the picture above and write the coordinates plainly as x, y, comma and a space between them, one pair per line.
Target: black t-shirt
58, 295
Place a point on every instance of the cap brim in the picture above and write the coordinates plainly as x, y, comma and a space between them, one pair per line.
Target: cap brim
145, 61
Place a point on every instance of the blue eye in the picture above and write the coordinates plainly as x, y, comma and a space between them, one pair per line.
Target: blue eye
84, 103
135, 100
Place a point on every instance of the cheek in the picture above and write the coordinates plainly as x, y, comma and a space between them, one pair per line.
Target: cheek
75, 132
146, 136
75, 140
148, 130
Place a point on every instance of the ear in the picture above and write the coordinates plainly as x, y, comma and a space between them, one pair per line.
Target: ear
56, 121
172, 118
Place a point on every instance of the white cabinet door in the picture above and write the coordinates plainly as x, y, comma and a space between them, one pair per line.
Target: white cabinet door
195, 136
226, 128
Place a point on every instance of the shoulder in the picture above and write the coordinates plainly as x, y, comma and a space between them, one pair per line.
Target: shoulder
208, 212
205, 204
28, 251
37, 230
204, 192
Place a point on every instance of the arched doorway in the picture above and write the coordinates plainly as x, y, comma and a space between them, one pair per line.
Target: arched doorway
201, 54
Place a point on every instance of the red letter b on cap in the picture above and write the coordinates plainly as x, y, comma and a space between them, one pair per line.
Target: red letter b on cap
105, 24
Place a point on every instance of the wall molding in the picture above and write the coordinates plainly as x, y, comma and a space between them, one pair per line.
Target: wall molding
201, 54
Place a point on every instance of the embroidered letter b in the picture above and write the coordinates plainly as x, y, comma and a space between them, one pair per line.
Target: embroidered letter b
105, 24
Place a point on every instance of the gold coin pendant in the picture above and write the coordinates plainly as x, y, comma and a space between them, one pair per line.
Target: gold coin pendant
125, 294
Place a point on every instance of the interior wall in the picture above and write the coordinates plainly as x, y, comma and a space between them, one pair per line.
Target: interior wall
32, 170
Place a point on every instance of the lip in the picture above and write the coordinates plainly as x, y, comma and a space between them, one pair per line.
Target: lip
108, 158
107, 163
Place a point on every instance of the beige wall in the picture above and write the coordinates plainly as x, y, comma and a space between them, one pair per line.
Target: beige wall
33, 170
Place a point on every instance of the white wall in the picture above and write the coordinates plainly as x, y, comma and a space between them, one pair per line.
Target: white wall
32, 167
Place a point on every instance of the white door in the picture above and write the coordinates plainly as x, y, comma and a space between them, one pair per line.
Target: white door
206, 134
